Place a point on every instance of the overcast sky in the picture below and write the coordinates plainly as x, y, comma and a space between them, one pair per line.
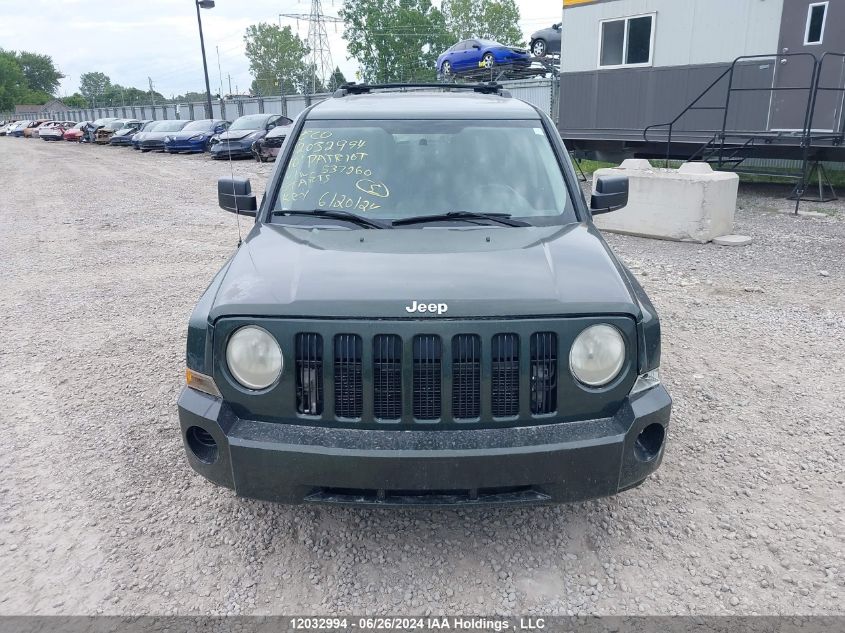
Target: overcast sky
130, 41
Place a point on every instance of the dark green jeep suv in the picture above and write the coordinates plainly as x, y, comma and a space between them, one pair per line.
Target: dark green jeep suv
424, 313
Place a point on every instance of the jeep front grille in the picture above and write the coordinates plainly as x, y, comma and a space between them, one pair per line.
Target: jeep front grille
416, 382
309, 374
427, 372
387, 377
348, 382
466, 377
543, 373
505, 375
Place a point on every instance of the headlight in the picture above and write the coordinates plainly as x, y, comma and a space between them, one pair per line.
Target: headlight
168, 139
597, 355
215, 140
254, 357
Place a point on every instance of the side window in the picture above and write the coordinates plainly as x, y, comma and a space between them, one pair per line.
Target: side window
626, 42
816, 20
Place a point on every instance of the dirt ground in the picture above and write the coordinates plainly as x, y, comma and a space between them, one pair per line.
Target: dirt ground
104, 252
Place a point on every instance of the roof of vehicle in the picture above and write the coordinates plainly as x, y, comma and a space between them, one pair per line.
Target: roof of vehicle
428, 104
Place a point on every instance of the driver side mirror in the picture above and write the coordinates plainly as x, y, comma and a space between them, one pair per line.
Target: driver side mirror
476, 47
235, 195
611, 193
556, 27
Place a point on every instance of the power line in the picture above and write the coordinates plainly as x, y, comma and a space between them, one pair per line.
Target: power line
320, 57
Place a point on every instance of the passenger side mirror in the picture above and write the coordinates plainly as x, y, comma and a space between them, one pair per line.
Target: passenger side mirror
235, 195
611, 193
556, 27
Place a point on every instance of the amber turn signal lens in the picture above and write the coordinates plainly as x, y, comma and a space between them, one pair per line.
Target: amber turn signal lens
201, 382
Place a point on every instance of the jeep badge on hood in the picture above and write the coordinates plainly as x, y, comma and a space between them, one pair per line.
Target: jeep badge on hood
439, 308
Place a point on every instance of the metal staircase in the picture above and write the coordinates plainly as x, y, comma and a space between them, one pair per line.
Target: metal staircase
730, 150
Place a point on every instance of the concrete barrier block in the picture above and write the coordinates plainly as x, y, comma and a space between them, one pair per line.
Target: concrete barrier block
693, 203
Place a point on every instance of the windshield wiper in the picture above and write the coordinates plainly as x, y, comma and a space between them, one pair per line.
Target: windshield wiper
498, 218
367, 223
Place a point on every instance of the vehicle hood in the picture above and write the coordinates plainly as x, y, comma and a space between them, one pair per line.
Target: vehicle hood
234, 135
182, 135
156, 136
127, 131
536, 271
279, 130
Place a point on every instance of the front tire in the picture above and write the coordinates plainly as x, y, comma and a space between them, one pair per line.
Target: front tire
446, 71
540, 48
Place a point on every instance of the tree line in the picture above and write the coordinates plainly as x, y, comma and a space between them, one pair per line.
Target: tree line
26, 78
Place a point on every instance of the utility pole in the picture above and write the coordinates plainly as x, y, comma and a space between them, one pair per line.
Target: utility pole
230, 85
320, 59
219, 75
152, 93
205, 4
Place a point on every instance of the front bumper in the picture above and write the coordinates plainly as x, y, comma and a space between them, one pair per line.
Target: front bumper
185, 146
235, 149
157, 146
120, 140
549, 463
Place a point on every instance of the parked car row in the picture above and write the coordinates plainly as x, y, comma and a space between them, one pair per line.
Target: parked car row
254, 135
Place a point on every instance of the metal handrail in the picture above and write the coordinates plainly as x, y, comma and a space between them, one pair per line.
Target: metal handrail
729, 72
820, 67
691, 106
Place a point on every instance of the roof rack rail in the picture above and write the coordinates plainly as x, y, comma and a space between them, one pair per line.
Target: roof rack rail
482, 88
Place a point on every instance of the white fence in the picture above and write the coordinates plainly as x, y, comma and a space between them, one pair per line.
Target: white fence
539, 92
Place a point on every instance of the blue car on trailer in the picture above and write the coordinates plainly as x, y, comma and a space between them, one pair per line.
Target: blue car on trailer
470, 55
195, 137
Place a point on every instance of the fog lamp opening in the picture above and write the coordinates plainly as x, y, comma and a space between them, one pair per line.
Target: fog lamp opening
202, 444
649, 442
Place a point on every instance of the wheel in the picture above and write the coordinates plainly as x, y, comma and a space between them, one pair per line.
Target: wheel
446, 70
540, 48
488, 61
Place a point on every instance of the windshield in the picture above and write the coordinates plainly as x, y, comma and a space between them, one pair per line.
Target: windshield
390, 170
251, 122
199, 126
115, 125
169, 126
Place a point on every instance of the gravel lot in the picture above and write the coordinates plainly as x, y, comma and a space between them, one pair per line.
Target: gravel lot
104, 252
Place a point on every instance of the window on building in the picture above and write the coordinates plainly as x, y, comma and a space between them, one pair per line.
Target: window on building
816, 19
627, 41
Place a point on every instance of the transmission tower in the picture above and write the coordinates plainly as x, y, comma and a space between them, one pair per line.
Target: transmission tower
320, 57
